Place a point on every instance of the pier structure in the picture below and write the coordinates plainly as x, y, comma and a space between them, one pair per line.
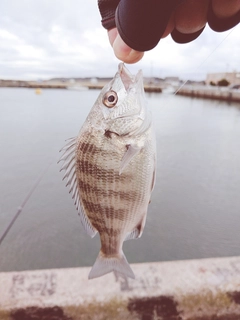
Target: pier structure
211, 92
203, 289
192, 90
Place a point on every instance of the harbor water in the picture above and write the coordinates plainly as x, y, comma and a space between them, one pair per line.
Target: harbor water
195, 207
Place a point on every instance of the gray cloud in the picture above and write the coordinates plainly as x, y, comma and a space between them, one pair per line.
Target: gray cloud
44, 39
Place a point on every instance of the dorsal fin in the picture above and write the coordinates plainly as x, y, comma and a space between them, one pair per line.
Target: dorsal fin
69, 166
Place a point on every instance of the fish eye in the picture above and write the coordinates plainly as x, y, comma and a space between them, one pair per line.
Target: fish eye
110, 99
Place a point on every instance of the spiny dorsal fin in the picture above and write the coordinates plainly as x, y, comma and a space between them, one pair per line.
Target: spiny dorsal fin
69, 166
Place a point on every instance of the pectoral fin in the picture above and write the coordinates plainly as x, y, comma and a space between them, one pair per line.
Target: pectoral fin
128, 156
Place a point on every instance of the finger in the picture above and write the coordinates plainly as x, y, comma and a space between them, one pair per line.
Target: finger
112, 34
169, 27
124, 53
121, 50
224, 9
191, 16
223, 16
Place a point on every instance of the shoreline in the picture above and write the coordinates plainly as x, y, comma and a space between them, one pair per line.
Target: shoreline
213, 93
76, 87
194, 91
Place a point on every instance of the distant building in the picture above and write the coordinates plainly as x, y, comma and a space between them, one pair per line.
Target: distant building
94, 80
174, 81
231, 77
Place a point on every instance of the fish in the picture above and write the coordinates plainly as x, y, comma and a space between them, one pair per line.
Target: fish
110, 169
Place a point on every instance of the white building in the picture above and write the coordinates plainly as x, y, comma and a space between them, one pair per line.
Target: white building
231, 77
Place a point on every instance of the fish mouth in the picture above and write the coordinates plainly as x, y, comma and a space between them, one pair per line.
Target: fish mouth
129, 81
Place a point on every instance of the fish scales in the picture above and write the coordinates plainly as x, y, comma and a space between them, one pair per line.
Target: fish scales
110, 186
108, 207
110, 168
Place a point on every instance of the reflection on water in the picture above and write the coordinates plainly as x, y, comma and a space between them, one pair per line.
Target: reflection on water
195, 208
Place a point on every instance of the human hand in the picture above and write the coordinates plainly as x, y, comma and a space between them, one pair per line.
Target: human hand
142, 23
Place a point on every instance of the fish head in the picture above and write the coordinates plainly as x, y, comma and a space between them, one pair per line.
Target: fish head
122, 103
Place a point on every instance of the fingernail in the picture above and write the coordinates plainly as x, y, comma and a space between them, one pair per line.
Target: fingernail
124, 52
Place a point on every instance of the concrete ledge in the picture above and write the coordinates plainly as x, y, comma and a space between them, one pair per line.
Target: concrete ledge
215, 93
193, 289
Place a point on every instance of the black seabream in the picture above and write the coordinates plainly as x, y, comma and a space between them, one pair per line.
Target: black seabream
110, 169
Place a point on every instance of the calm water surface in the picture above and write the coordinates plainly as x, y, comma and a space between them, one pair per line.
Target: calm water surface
195, 208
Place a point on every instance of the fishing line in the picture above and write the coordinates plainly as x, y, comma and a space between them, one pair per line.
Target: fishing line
203, 62
20, 208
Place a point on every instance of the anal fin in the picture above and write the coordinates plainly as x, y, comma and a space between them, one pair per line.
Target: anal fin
137, 231
134, 234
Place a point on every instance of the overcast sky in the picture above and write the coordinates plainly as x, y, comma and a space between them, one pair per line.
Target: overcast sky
41, 39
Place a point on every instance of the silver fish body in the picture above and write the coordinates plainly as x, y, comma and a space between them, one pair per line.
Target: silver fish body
110, 169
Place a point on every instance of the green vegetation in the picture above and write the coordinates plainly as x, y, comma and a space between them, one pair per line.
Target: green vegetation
4, 315
206, 301
212, 83
113, 309
202, 305
223, 83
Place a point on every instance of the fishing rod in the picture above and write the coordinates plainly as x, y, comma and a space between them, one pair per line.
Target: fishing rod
20, 208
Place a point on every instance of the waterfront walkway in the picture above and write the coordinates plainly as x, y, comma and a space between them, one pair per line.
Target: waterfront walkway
180, 290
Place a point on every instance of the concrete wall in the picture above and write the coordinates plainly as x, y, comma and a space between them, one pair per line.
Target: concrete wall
231, 77
193, 289
215, 93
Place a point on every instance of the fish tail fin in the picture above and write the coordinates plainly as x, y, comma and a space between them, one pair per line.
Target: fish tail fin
105, 264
